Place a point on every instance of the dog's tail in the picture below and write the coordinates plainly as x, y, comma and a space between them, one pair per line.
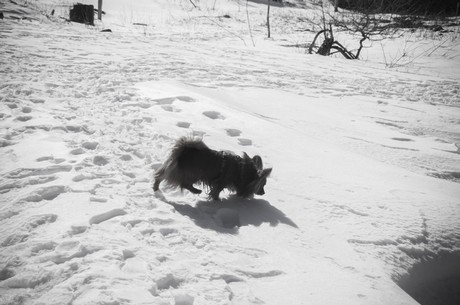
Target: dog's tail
170, 171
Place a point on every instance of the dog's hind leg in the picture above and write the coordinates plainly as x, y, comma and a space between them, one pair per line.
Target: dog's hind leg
156, 184
159, 176
191, 188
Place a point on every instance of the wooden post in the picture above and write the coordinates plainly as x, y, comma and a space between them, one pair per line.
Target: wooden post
99, 9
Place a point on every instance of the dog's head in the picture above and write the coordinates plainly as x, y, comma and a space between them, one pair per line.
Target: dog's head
256, 186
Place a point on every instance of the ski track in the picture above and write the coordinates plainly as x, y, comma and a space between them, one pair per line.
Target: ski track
106, 166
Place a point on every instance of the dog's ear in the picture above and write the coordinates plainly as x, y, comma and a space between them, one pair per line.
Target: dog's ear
265, 173
258, 162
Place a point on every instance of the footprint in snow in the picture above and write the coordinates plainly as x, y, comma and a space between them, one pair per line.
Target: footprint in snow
244, 142
164, 101
126, 157
170, 100
23, 229
23, 118
198, 133
214, 115
168, 281
77, 151
73, 128
260, 274
97, 219
45, 193
27, 172
50, 159
231, 132
403, 139
100, 160
90, 145
185, 98
183, 124
170, 108
26, 109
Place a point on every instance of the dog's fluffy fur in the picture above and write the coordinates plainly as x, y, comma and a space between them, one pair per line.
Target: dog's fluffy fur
191, 161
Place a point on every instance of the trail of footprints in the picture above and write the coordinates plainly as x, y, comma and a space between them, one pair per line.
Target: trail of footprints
90, 161
88, 156
167, 104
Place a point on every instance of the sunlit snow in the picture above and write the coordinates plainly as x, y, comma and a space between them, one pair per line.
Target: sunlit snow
362, 206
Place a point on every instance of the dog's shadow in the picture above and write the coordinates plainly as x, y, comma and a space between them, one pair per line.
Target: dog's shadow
228, 215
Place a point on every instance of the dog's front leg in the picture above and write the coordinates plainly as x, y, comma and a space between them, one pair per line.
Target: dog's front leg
191, 188
216, 188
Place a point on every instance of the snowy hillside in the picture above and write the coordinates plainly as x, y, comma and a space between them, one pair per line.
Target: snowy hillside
362, 206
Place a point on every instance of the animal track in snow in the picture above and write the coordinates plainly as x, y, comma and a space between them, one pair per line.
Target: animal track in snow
77, 128
185, 98
244, 142
23, 229
50, 159
27, 280
45, 193
231, 132
214, 115
27, 172
43, 246
170, 108
90, 145
6, 187
260, 274
168, 281
77, 229
24, 118
5, 143
164, 101
228, 278
168, 231
170, 100
100, 160
96, 219
183, 124
126, 157
68, 250
140, 105
26, 109
45, 158
77, 151
198, 133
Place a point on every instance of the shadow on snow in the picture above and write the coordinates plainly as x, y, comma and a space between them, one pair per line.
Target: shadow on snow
228, 215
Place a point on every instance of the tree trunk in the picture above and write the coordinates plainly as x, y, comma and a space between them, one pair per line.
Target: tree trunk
268, 18
310, 49
99, 9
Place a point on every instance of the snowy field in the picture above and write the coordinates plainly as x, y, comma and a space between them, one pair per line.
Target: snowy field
362, 206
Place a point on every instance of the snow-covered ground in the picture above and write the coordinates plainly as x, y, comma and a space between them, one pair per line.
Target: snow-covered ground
363, 200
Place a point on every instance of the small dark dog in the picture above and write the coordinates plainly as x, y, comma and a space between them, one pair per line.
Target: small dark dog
191, 161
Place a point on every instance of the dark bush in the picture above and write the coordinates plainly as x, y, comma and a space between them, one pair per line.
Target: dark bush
416, 7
